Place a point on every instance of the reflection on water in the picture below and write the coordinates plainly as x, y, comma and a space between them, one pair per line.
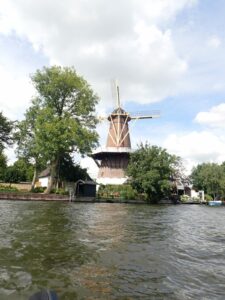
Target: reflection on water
112, 251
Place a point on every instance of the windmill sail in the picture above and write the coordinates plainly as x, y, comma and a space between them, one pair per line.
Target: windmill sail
146, 115
116, 92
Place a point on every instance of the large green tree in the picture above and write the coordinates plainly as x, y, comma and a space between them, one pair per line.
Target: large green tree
209, 177
64, 116
151, 169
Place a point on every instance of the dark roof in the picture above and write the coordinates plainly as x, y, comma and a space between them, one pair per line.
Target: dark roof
119, 111
88, 182
45, 173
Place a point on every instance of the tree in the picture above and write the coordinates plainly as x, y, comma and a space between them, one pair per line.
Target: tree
24, 135
6, 127
69, 171
24, 168
12, 175
65, 122
209, 177
21, 170
3, 165
150, 169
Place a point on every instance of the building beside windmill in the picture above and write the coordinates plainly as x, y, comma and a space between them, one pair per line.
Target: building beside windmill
113, 159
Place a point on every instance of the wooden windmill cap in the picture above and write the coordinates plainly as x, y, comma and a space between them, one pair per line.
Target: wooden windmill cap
119, 112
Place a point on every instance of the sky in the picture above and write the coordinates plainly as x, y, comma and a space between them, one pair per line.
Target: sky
168, 55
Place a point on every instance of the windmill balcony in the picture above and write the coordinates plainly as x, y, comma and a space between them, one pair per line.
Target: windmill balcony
112, 150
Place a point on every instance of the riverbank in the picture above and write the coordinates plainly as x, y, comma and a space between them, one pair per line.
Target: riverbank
32, 197
14, 196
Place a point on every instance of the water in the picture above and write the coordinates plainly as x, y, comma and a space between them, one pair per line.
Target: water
112, 251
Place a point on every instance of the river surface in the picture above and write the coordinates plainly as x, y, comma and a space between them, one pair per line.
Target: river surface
112, 251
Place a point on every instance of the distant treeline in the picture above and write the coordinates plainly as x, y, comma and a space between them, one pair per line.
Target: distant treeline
210, 177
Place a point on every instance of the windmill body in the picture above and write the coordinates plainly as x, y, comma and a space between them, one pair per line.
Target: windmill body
113, 159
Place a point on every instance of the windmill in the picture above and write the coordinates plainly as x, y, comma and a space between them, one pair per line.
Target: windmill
113, 159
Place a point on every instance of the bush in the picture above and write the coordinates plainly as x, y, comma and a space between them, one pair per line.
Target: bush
12, 175
59, 191
7, 188
124, 191
143, 196
184, 198
39, 189
208, 197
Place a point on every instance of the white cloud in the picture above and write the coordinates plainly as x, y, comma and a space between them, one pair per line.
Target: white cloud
207, 145
15, 93
197, 147
105, 40
10, 154
161, 10
215, 117
89, 164
214, 42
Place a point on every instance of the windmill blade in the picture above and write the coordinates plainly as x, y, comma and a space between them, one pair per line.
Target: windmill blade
146, 115
115, 92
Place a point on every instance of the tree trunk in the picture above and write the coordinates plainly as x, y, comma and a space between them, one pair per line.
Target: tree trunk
34, 179
52, 177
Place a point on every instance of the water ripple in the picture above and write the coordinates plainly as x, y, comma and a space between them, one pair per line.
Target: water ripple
110, 251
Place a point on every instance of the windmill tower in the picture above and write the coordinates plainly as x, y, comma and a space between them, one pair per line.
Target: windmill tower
113, 159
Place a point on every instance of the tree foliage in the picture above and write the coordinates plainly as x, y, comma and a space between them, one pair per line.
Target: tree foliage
25, 133
70, 171
209, 177
66, 93
6, 127
20, 171
25, 138
3, 165
150, 170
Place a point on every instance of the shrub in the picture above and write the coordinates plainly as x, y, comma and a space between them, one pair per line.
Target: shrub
124, 191
184, 198
208, 197
7, 188
59, 191
39, 189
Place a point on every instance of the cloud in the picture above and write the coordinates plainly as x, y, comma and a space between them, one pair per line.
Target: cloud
197, 147
89, 164
161, 10
15, 93
215, 117
104, 40
207, 145
214, 42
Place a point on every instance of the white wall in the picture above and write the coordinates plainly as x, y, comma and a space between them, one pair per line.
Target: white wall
43, 181
104, 181
199, 194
